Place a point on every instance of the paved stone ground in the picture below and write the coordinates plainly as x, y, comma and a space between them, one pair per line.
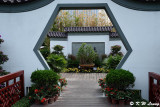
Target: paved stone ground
82, 91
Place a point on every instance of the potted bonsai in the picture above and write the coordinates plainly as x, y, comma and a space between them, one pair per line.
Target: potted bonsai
86, 56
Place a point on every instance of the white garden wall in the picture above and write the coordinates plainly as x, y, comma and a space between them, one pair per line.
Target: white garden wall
21, 31
85, 37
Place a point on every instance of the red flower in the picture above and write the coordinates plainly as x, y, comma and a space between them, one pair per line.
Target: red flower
111, 88
106, 94
99, 84
42, 101
30, 97
36, 90
41, 88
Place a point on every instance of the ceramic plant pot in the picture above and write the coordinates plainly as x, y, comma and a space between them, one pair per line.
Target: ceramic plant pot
46, 102
121, 102
114, 101
51, 100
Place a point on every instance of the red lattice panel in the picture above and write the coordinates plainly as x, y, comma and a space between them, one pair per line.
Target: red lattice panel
11, 93
156, 93
154, 88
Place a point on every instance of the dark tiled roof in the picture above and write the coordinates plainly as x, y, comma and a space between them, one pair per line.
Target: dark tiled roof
113, 35
83, 29
14, 1
57, 35
88, 29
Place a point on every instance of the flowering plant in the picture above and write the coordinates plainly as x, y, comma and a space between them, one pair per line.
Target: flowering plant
111, 92
63, 82
102, 83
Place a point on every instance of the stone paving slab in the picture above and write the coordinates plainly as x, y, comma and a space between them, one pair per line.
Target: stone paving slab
82, 91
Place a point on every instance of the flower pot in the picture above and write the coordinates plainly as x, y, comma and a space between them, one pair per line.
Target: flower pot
45, 102
55, 98
86, 65
109, 99
128, 102
114, 101
37, 102
121, 102
51, 100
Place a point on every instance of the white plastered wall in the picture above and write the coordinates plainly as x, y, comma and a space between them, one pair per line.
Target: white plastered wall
85, 37
21, 31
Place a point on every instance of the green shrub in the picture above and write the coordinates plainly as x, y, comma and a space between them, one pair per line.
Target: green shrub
103, 56
72, 61
56, 62
58, 50
115, 50
86, 54
24, 102
112, 62
45, 52
44, 77
98, 62
120, 79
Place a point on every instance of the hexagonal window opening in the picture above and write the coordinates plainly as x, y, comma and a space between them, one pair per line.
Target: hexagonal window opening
82, 36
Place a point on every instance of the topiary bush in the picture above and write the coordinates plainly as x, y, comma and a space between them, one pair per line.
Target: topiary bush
56, 62
44, 77
115, 50
112, 62
58, 49
120, 79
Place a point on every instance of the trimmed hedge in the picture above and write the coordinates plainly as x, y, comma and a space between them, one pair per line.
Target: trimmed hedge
120, 79
44, 77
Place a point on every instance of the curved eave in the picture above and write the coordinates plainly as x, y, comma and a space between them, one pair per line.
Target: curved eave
138, 5
23, 7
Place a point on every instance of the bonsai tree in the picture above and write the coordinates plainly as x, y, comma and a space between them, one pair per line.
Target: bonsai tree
58, 49
86, 54
111, 62
3, 59
56, 62
115, 50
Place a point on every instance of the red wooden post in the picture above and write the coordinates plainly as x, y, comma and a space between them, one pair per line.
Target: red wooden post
150, 87
22, 84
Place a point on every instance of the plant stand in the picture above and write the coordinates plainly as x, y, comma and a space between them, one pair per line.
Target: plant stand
85, 66
51, 100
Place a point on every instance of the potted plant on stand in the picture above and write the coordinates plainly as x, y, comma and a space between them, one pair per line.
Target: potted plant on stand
86, 56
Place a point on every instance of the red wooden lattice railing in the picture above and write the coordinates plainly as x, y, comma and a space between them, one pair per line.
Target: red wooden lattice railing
154, 88
11, 92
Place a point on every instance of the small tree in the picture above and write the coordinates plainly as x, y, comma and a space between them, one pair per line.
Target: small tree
58, 49
3, 59
86, 54
115, 50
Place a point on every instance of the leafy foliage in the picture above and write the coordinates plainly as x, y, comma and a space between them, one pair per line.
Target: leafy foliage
120, 79
115, 50
72, 61
111, 62
45, 52
56, 62
24, 102
44, 77
86, 54
58, 49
